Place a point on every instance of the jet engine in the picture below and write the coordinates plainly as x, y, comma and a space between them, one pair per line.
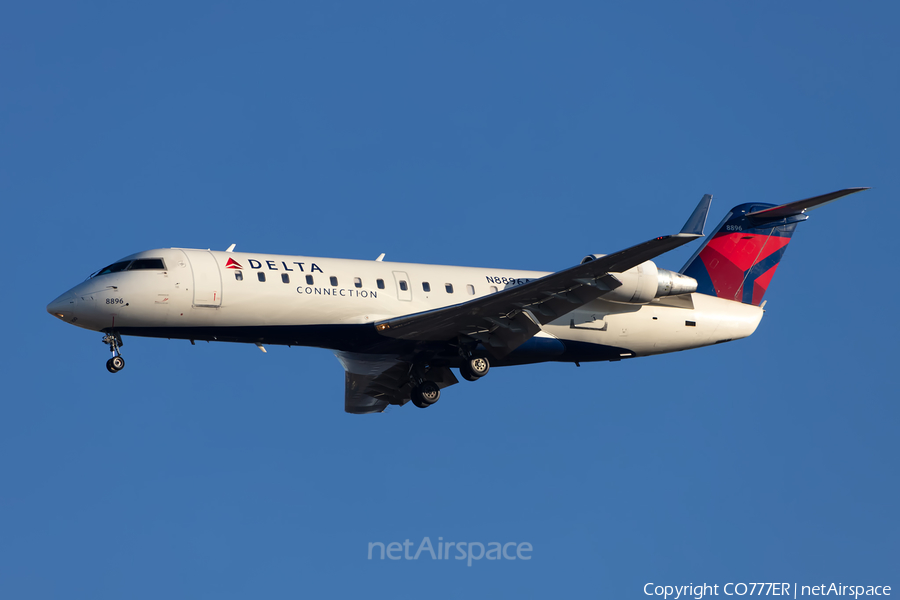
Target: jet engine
643, 283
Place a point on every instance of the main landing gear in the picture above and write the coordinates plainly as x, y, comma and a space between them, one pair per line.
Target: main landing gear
474, 368
426, 392
116, 363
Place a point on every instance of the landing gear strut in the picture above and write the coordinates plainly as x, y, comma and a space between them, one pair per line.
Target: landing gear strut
116, 363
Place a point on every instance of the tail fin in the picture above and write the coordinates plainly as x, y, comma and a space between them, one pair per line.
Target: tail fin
738, 260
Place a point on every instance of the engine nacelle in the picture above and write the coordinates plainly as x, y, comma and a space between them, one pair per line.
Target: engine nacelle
643, 283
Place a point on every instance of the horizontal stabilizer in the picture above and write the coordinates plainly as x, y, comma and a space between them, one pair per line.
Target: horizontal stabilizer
801, 206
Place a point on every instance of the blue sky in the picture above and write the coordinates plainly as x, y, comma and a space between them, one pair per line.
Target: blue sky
519, 135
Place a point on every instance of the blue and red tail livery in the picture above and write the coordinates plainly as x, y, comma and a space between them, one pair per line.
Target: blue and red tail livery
742, 255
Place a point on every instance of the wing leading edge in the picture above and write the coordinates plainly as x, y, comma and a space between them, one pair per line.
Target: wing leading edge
506, 319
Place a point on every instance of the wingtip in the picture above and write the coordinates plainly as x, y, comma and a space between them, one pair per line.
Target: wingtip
697, 221
853, 190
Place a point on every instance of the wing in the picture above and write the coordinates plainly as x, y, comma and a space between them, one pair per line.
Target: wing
504, 320
374, 381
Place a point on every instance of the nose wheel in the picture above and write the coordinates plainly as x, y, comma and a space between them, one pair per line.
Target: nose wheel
116, 363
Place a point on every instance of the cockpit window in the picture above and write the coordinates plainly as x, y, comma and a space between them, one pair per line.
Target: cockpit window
155, 264
148, 263
113, 268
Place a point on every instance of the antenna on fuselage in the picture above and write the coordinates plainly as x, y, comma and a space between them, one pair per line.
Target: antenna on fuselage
231, 248
380, 257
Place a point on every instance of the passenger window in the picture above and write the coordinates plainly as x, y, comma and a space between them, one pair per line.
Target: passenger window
333, 280
403, 285
147, 263
471, 289
357, 282
285, 278
238, 276
426, 287
493, 288
309, 280
261, 276
380, 283
448, 287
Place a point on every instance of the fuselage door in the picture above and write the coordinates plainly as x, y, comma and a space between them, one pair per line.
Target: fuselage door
404, 287
207, 278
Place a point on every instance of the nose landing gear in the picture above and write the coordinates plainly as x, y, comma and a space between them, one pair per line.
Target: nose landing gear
116, 363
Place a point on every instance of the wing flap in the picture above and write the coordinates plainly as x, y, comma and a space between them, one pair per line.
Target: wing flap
372, 382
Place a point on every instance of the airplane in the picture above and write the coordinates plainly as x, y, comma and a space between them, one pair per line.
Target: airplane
399, 328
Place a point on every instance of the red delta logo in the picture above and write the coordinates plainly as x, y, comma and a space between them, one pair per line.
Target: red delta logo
233, 264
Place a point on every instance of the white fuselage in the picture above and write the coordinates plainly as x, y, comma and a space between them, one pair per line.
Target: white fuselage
334, 303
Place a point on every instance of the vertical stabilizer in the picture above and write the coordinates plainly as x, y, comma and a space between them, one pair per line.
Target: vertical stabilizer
740, 258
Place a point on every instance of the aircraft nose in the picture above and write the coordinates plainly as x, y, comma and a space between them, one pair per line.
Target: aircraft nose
63, 307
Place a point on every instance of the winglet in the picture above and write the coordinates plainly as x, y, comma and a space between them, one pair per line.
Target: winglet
697, 220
